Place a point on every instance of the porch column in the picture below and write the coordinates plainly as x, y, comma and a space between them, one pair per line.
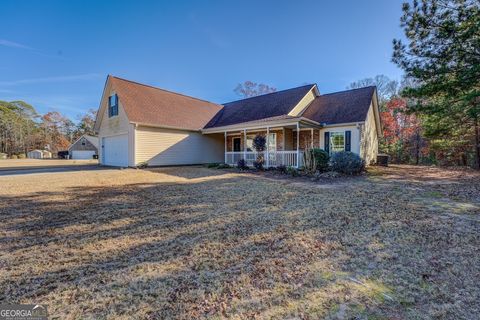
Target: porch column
298, 145
245, 145
311, 134
283, 146
225, 135
268, 145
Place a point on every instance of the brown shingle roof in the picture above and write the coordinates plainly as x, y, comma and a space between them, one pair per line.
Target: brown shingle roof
150, 105
341, 107
269, 105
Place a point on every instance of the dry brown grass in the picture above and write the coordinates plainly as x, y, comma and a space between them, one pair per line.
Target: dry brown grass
199, 243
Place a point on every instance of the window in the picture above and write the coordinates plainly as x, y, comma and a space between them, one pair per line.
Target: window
113, 106
337, 142
272, 141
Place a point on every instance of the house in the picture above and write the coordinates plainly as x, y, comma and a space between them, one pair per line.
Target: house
138, 123
39, 154
84, 148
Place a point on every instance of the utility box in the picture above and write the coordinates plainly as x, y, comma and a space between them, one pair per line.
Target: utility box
382, 159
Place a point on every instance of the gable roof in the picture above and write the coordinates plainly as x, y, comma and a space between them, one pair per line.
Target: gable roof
341, 107
147, 105
93, 141
150, 105
269, 105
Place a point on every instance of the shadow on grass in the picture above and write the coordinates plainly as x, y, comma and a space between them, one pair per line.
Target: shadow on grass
220, 246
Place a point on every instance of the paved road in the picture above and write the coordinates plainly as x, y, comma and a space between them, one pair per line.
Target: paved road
13, 164
25, 171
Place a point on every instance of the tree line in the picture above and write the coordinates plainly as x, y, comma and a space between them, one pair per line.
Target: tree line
23, 129
441, 57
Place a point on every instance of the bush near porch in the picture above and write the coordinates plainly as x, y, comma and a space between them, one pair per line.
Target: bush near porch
316, 161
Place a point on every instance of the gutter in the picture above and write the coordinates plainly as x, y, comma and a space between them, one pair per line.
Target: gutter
164, 127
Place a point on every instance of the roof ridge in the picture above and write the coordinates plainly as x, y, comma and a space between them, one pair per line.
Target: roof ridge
266, 94
347, 90
157, 88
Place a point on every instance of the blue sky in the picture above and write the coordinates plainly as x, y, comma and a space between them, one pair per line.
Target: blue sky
56, 54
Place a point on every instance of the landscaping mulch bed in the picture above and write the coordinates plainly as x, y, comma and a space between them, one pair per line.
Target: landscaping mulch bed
192, 242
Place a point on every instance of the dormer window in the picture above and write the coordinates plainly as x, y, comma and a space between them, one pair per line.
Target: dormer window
113, 106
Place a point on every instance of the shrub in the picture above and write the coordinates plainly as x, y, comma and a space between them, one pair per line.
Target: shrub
21, 156
223, 166
321, 159
282, 168
259, 143
309, 161
13, 156
213, 165
142, 165
258, 164
292, 171
347, 162
242, 164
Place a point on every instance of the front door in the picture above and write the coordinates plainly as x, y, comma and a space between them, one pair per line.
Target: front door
236, 145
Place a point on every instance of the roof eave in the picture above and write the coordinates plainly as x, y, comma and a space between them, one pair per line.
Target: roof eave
163, 126
262, 124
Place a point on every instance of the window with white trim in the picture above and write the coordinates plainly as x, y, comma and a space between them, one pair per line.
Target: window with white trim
272, 141
113, 105
337, 142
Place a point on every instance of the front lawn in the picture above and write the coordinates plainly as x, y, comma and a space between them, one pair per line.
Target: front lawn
193, 242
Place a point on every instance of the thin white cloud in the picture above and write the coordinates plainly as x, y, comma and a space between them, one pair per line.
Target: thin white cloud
12, 44
16, 45
77, 77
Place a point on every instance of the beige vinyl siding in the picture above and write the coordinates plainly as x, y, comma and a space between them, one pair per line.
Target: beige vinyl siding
369, 141
355, 137
113, 126
160, 147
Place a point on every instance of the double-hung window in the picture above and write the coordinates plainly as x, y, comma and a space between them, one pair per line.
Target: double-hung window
113, 105
337, 142
272, 142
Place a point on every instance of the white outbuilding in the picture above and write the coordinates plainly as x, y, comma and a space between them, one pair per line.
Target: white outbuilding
84, 148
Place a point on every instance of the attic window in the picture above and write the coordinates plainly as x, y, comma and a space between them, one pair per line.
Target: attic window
113, 106
83, 141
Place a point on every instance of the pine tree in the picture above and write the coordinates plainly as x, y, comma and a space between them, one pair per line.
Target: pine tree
443, 56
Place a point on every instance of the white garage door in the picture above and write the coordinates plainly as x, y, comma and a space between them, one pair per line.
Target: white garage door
115, 151
82, 154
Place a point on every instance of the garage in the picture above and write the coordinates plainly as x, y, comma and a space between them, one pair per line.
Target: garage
115, 151
84, 148
83, 154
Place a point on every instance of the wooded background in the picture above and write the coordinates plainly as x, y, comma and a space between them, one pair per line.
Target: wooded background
22, 129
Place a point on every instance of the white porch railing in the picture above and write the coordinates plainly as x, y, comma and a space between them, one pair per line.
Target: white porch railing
275, 158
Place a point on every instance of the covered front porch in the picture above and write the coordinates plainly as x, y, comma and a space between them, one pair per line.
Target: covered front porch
285, 143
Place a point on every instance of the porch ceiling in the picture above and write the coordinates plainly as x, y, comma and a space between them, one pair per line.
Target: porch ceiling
256, 126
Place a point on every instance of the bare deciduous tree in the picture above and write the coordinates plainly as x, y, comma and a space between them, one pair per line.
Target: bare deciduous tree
251, 89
